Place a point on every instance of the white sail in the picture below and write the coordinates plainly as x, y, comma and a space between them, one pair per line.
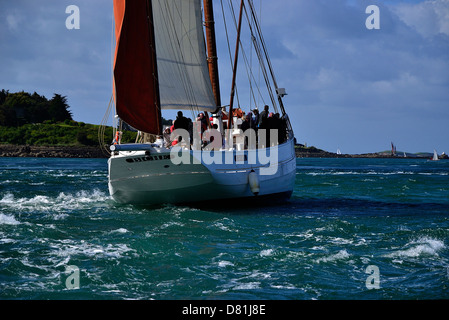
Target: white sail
183, 72
435, 155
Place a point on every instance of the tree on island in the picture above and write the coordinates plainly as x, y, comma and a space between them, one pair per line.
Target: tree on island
21, 108
59, 109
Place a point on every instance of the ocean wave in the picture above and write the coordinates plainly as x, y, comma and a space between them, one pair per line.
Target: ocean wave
266, 253
247, 286
8, 219
340, 255
119, 230
61, 203
67, 248
224, 264
423, 246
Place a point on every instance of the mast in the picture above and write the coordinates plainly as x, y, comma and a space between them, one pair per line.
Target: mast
234, 72
212, 57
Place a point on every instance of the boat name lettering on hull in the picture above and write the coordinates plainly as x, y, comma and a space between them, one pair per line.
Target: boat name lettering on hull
148, 158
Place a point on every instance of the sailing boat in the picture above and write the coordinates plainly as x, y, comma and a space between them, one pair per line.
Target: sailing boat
435, 156
162, 63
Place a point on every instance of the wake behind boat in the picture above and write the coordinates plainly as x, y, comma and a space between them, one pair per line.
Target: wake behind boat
161, 63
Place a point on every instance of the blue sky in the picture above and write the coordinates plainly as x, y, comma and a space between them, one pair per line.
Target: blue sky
348, 87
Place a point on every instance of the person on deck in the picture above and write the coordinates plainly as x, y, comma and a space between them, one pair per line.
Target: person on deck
203, 122
282, 127
263, 116
167, 137
181, 122
256, 118
238, 113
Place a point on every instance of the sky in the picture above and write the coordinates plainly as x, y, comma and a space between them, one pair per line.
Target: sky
349, 87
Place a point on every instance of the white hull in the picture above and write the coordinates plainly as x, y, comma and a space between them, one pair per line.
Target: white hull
151, 177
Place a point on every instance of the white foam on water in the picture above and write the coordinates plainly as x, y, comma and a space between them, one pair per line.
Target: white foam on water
6, 240
221, 226
7, 199
64, 250
423, 246
341, 241
171, 223
247, 286
284, 287
266, 253
120, 230
341, 255
58, 205
224, 264
8, 219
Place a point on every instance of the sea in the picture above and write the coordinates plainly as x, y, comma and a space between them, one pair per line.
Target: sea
354, 229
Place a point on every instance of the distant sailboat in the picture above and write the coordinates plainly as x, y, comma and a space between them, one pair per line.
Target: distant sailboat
338, 151
435, 156
393, 149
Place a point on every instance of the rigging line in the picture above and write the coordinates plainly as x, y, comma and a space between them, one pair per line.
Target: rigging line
281, 104
250, 65
242, 49
102, 128
249, 72
247, 64
231, 9
113, 45
259, 31
260, 15
265, 75
264, 47
267, 59
104, 121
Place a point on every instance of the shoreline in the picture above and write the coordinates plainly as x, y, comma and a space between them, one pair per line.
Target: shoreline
55, 151
25, 151
313, 152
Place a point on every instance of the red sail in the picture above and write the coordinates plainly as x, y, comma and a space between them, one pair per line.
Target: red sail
135, 69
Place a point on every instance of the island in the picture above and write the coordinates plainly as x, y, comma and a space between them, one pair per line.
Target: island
33, 126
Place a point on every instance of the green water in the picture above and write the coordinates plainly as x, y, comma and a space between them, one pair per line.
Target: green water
344, 216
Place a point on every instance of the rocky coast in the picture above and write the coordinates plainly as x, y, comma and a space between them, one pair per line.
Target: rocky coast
55, 151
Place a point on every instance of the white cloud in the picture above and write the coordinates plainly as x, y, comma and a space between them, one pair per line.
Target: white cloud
12, 21
429, 18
